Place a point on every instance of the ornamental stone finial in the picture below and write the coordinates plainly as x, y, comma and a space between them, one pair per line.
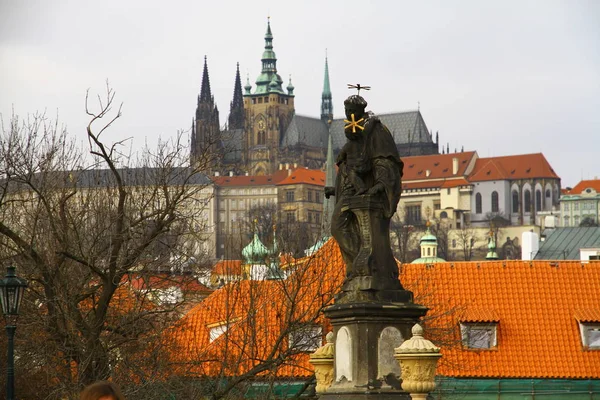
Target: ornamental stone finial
322, 360
418, 359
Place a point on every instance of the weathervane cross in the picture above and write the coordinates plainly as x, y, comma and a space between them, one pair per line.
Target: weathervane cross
358, 86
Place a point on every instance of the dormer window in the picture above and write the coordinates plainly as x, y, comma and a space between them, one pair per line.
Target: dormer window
479, 335
590, 335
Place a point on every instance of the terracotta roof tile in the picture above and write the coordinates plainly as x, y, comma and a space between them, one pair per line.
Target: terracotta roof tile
250, 180
587, 184
304, 175
439, 165
535, 303
520, 166
228, 267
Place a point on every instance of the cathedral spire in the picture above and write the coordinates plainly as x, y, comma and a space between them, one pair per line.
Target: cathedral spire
205, 94
326, 102
236, 110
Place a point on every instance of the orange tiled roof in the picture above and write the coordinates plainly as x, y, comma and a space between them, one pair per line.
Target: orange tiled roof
304, 175
581, 186
439, 165
165, 281
520, 166
228, 267
535, 303
255, 312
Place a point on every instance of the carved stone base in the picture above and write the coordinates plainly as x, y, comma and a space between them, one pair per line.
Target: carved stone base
365, 337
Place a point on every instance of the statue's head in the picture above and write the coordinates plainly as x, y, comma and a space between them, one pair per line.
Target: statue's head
356, 105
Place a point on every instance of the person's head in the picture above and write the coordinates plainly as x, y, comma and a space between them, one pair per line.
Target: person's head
101, 390
356, 105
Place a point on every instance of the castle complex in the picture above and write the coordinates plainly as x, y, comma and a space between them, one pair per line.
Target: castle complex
263, 131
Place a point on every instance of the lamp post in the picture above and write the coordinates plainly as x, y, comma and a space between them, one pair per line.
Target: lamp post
11, 294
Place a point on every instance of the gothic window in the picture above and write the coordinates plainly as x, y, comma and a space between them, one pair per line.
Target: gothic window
495, 201
515, 201
527, 197
548, 193
538, 200
478, 208
262, 138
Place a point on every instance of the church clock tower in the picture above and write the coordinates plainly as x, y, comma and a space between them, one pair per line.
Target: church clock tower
269, 111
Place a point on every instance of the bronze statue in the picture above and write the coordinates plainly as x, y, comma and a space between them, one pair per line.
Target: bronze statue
367, 191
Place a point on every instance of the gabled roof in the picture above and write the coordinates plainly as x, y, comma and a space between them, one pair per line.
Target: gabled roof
521, 166
305, 130
406, 127
304, 175
438, 165
535, 304
564, 243
583, 185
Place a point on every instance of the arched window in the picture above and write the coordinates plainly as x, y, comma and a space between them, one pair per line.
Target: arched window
515, 201
548, 193
443, 214
538, 200
495, 207
527, 200
478, 203
262, 136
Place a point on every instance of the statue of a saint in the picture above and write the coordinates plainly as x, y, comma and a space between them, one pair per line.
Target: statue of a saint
367, 191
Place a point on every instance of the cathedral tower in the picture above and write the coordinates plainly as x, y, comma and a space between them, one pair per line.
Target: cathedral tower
269, 111
236, 108
205, 129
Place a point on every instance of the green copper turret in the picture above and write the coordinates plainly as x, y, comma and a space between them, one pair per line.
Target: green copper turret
269, 81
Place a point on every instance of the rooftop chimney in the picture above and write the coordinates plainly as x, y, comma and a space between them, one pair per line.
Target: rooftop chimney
454, 165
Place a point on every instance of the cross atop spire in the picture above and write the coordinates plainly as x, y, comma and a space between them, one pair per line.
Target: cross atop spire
205, 94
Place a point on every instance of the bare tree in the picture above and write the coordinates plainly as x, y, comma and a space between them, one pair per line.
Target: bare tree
406, 248
466, 240
82, 231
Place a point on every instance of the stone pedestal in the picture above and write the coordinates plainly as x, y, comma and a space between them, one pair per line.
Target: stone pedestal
365, 336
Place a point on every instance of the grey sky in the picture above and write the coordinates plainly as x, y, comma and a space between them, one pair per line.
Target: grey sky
501, 78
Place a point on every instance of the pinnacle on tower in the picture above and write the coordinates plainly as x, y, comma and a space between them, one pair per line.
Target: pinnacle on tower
326, 101
205, 94
236, 110
269, 67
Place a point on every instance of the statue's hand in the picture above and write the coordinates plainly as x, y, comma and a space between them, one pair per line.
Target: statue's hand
376, 189
329, 191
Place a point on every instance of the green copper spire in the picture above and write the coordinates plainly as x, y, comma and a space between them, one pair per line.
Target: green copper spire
329, 203
326, 101
269, 68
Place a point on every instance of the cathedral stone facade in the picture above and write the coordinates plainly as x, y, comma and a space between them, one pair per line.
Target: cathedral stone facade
263, 132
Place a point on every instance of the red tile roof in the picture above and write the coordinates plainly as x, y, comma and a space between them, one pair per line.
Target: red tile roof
522, 166
439, 165
165, 281
228, 267
581, 186
536, 304
304, 175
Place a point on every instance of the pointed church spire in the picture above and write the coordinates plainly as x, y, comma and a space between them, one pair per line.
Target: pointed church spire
326, 101
236, 109
205, 94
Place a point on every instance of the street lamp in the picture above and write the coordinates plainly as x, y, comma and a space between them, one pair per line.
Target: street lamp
11, 294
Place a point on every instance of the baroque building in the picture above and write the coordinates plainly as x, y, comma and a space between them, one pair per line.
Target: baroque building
263, 130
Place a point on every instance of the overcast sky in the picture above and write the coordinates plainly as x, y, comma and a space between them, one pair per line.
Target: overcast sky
501, 78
